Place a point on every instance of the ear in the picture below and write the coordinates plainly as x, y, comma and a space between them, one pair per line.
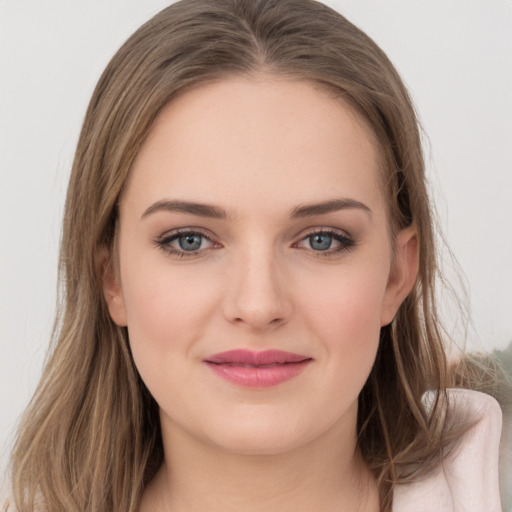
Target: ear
112, 289
403, 274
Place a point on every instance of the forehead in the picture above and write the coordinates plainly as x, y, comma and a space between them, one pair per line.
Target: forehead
234, 141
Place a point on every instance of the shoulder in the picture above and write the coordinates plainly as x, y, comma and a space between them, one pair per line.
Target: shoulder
467, 480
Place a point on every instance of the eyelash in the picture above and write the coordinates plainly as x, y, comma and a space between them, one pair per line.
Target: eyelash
164, 242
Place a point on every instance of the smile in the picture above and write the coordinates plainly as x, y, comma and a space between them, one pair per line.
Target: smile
257, 369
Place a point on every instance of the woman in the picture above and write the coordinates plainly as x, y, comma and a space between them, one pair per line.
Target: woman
249, 264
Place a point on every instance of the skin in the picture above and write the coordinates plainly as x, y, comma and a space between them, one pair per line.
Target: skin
258, 148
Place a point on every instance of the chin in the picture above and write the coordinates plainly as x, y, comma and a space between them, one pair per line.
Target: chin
263, 436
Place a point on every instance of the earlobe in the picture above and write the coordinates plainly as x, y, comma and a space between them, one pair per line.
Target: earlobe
112, 289
403, 274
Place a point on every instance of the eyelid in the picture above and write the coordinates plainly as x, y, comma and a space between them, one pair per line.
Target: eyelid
324, 229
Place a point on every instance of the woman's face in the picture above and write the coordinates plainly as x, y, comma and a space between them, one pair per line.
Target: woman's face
255, 266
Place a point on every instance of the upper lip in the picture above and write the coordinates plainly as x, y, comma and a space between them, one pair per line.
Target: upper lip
248, 357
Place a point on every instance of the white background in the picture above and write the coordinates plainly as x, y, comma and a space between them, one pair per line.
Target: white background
455, 56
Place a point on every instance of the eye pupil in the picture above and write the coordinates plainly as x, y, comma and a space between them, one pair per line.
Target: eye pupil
320, 241
190, 242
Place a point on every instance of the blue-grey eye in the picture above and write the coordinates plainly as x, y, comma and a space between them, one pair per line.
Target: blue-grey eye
186, 243
190, 242
320, 241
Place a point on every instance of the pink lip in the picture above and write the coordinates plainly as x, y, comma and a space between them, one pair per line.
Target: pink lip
257, 369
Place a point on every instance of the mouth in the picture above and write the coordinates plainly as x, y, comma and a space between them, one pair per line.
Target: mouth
257, 369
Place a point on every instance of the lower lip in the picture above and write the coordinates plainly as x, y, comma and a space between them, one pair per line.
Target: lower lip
264, 376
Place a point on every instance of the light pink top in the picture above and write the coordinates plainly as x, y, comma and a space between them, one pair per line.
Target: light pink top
467, 480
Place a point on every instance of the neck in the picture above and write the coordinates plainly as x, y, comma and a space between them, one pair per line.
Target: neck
325, 474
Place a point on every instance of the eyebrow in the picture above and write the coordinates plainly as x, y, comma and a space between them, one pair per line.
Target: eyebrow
199, 209
333, 205
207, 210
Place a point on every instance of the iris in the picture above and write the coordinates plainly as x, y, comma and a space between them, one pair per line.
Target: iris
320, 241
190, 242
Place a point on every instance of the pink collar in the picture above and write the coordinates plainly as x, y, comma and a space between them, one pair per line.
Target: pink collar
467, 480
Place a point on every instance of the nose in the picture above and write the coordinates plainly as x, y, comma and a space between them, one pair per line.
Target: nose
258, 294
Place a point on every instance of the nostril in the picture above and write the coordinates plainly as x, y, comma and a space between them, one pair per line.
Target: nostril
274, 322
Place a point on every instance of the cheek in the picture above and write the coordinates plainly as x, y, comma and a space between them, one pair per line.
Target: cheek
167, 312
345, 314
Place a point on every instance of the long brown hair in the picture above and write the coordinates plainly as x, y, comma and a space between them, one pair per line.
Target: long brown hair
90, 439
